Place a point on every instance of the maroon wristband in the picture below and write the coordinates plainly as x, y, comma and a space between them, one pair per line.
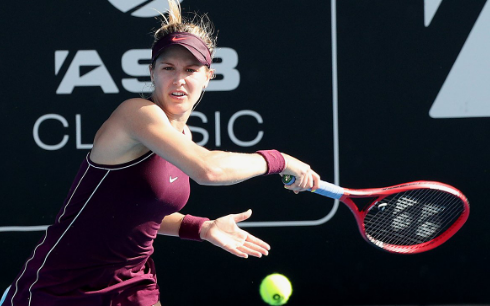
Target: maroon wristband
190, 228
275, 161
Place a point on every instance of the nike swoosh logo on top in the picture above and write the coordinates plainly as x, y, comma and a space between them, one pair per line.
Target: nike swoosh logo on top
173, 179
177, 39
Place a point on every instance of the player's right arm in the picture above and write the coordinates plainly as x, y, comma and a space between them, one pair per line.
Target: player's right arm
138, 125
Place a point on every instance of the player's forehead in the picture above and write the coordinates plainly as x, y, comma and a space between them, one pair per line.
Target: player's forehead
177, 53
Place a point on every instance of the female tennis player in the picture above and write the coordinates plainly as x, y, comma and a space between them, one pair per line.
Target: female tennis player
134, 181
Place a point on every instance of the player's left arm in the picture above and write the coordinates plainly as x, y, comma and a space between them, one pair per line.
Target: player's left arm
222, 232
226, 234
171, 224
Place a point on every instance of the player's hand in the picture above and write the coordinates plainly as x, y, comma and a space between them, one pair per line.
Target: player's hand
225, 233
306, 178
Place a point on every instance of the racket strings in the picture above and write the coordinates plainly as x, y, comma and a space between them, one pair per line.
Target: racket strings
412, 217
410, 226
401, 236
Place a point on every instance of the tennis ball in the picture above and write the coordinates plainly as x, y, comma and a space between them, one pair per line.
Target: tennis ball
275, 289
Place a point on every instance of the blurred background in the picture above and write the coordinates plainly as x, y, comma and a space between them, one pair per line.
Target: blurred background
370, 93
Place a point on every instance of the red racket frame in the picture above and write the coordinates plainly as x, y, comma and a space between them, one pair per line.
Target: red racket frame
381, 193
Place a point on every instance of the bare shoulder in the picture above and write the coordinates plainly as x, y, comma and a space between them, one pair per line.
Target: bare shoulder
114, 142
135, 103
136, 106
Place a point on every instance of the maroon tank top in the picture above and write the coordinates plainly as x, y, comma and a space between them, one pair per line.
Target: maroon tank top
98, 250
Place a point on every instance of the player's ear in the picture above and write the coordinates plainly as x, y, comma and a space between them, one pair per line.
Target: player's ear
210, 74
150, 67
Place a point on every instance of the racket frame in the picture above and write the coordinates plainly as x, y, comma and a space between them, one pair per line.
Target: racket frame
380, 193
346, 196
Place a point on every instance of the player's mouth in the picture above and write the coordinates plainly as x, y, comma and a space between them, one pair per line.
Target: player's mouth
178, 94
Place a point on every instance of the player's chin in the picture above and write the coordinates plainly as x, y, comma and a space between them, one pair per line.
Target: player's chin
181, 108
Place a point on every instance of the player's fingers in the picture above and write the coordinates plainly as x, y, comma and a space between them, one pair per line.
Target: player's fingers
249, 251
297, 186
256, 248
304, 183
258, 242
292, 187
242, 216
236, 251
311, 180
307, 182
316, 181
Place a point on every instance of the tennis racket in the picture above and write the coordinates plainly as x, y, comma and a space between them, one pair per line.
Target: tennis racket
407, 218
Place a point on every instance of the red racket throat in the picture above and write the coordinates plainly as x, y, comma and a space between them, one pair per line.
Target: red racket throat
409, 218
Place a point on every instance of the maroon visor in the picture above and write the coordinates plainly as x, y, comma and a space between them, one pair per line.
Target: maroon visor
191, 42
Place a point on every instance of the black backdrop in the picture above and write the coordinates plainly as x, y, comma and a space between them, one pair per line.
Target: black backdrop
356, 105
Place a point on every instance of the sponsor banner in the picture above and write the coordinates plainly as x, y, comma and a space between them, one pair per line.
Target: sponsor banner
369, 93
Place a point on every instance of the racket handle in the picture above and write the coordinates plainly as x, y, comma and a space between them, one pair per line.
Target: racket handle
288, 179
326, 189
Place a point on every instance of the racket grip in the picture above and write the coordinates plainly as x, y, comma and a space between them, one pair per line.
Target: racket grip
288, 179
326, 189
330, 190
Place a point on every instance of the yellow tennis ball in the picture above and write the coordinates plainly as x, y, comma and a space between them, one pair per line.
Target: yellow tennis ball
275, 289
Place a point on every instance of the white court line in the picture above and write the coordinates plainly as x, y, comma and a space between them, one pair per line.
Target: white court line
35, 228
335, 103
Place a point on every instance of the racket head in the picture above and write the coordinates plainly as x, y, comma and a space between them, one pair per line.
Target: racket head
410, 218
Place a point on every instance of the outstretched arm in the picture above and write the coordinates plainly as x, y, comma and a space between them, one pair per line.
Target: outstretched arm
222, 232
138, 125
171, 224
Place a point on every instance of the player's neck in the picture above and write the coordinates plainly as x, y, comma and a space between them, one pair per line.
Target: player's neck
178, 123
